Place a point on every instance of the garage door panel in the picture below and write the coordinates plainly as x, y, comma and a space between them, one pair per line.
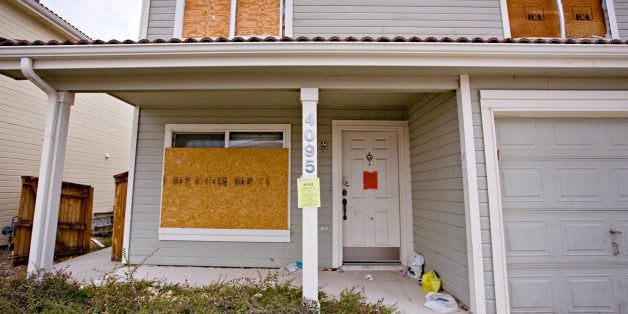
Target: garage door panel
573, 135
534, 293
523, 184
617, 130
590, 293
527, 238
620, 177
585, 237
519, 135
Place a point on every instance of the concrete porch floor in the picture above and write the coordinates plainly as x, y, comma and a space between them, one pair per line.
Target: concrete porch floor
388, 285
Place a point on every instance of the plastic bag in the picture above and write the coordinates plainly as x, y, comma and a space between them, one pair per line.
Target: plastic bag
441, 302
416, 266
430, 282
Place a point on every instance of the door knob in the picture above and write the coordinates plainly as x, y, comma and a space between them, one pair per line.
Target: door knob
613, 231
615, 248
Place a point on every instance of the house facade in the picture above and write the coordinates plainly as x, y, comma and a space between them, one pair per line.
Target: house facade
433, 127
100, 124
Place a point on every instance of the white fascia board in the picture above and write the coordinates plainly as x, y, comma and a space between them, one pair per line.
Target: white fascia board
312, 54
49, 17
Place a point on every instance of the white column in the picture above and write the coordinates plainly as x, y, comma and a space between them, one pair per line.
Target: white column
309, 101
49, 186
471, 198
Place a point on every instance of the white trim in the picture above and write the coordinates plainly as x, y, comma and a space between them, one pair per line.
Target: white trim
561, 18
289, 16
405, 192
144, 19
612, 19
226, 235
471, 198
522, 103
179, 13
126, 238
232, 18
455, 56
192, 234
505, 18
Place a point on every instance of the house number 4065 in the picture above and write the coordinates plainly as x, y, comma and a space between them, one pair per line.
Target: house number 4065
309, 135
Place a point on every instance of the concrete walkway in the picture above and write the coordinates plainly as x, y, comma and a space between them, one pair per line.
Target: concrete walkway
388, 285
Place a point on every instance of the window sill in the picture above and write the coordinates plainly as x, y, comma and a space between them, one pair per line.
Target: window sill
223, 235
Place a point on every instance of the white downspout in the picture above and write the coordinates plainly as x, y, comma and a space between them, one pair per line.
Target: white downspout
43, 237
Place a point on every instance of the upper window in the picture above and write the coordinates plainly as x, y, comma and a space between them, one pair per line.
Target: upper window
229, 18
557, 18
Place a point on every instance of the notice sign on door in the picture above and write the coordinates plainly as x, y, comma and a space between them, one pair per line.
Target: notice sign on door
370, 180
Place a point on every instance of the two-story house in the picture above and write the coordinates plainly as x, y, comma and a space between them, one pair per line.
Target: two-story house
488, 136
100, 127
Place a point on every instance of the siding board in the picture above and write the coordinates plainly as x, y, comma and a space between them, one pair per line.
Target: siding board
438, 201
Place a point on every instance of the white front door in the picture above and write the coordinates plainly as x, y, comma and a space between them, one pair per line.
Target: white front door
370, 171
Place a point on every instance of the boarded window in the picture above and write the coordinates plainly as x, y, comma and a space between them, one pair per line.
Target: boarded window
212, 18
541, 18
584, 18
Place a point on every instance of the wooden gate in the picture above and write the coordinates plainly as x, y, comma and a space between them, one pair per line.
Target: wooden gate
74, 226
119, 211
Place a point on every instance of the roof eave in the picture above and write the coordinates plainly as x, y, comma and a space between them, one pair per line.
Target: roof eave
49, 17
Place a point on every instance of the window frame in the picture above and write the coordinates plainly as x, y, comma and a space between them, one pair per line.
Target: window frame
285, 19
608, 5
228, 235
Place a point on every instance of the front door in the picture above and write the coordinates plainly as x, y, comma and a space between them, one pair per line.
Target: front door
370, 173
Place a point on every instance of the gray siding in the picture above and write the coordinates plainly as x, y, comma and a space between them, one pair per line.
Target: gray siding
147, 189
522, 83
621, 12
437, 191
161, 19
439, 18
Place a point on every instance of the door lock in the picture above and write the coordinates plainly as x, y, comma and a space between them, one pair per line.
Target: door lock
615, 248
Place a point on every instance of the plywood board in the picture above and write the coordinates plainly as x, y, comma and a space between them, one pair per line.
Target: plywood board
225, 188
206, 18
257, 18
584, 18
533, 18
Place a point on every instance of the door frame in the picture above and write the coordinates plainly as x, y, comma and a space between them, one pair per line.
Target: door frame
530, 103
405, 193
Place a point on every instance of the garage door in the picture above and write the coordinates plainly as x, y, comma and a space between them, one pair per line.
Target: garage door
564, 187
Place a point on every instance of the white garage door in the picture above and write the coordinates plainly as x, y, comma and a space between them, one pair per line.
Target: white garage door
564, 186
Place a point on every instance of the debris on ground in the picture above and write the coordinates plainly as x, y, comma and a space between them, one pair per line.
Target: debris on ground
441, 302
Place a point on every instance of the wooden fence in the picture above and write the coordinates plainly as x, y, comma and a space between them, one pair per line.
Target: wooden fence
119, 212
74, 224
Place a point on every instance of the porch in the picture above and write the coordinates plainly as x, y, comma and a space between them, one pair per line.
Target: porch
388, 284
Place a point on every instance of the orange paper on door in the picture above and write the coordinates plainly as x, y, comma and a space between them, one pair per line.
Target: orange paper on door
370, 180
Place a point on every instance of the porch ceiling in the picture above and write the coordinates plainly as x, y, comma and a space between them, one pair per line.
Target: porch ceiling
266, 98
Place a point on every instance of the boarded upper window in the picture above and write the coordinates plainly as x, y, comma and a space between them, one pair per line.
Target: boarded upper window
542, 18
228, 18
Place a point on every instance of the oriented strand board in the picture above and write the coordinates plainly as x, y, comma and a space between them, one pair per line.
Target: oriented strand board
533, 18
584, 18
257, 18
206, 18
225, 188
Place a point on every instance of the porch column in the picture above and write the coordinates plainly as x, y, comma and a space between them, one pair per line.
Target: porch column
309, 101
49, 186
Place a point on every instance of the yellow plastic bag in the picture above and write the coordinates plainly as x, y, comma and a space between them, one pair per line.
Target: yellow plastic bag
430, 282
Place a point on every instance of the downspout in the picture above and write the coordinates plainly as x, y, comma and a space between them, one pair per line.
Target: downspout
39, 232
